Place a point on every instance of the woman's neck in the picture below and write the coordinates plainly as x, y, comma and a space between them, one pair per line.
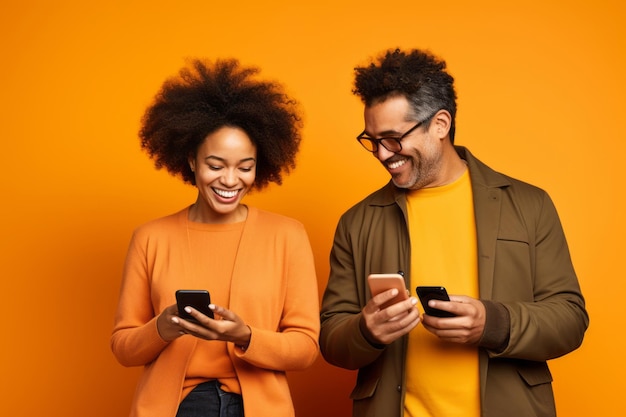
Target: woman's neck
198, 215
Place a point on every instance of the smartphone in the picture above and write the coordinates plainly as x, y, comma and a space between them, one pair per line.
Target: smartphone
382, 282
198, 299
426, 294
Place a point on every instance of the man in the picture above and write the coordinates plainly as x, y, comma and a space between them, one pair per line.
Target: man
446, 219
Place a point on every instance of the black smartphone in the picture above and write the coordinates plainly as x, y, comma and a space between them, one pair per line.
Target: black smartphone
426, 294
198, 299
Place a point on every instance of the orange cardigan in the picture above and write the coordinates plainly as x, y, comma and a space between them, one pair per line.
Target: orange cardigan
274, 290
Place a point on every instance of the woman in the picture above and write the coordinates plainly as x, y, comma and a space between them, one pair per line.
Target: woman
221, 130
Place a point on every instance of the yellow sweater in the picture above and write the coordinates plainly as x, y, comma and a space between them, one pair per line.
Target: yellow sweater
442, 377
273, 289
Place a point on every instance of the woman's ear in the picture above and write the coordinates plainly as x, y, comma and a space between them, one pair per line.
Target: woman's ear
441, 123
192, 163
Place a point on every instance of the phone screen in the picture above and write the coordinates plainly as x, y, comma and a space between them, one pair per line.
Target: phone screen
426, 293
198, 299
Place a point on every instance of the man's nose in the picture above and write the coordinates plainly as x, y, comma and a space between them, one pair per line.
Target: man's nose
382, 154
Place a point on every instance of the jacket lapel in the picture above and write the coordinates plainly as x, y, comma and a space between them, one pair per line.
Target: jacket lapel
487, 187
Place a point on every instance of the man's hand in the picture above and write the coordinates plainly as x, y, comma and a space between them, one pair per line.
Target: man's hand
384, 326
468, 325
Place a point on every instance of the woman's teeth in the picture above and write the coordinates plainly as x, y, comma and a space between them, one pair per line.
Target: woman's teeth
225, 194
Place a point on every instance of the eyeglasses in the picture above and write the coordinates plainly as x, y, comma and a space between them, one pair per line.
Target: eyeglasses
389, 143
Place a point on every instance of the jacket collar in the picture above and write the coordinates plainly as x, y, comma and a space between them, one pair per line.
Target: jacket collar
481, 174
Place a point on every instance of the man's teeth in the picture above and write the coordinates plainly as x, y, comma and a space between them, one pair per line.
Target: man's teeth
396, 164
225, 194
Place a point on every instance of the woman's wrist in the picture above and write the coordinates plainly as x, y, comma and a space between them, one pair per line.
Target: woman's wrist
245, 341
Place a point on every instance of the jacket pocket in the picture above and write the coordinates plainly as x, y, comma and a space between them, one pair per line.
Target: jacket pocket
365, 388
535, 373
518, 388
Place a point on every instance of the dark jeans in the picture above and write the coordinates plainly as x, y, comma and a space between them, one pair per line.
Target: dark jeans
209, 400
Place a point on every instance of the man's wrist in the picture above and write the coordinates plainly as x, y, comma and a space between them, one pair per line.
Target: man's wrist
367, 336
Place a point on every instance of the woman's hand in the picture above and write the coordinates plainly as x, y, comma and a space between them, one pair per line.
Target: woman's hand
168, 324
227, 326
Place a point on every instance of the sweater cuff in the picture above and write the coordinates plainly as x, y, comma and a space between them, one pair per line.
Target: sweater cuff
497, 324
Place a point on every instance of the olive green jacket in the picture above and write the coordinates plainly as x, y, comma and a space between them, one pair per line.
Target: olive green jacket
535, 309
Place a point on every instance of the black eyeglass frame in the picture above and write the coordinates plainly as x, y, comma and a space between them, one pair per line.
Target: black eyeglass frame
363, 140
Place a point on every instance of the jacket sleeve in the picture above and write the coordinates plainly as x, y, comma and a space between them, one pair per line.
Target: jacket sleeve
553, 321
341, 341
135, 340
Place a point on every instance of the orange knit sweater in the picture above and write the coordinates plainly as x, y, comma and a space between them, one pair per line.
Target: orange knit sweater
273, 289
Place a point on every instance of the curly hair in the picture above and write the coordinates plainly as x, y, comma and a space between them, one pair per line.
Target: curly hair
205, 97
417, 75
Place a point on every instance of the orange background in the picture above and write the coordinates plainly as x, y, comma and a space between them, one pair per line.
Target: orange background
541, 92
